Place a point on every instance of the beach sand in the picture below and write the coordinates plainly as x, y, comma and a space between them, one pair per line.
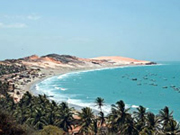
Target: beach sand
46, 67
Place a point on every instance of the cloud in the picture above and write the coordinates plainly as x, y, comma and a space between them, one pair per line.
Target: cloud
23, 17
15, 25
33, 17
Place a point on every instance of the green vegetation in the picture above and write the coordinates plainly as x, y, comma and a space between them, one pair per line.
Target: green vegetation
3, 88
9, 126
38, 112
8, 69
48, 117
51, 130
36, 115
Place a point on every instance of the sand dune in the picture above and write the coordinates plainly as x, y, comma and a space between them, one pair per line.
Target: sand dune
123, 60
54, 61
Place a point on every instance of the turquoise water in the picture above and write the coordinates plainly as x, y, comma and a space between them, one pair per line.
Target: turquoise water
154, 87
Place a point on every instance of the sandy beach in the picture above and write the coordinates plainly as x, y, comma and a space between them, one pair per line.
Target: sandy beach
40, 68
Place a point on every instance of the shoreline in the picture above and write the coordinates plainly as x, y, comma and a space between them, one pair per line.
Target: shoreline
34, 69
31, 87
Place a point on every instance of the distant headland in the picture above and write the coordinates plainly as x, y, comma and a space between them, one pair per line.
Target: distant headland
22, 73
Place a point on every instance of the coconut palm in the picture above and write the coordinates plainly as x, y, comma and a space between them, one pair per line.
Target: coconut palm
146, 131
152, 122
42, 99
54, 104
140, 117
38, 119
21, 114
172, 128
99, 102
165, 116
129, 127
10, 105
95, 126
64, 105
65, 120
51, 116
26, 100
140, 114
102, 118
118, 116
86, 120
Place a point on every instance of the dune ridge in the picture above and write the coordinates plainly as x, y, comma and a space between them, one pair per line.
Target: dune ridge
36, 68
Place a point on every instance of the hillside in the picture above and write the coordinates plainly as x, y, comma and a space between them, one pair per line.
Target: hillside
55, 60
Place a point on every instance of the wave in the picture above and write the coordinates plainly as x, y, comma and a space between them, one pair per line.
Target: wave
63, 76
76, 103
47, 87
57, 88
60, 88
136, 106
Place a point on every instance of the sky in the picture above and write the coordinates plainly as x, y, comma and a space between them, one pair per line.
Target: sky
141, 29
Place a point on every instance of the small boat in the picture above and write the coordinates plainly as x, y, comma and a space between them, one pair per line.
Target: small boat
134, 79
155, 85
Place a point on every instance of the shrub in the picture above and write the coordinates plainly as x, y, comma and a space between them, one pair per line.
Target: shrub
51, 130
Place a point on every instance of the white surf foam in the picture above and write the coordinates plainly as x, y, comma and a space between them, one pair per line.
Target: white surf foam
134, 106
106, 109
63, 89
57, 88
62, 97
63, 76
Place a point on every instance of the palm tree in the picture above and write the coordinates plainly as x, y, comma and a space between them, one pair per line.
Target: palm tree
26, 100
20, 114
102, 118
140, 117
164, 116
42, 99
129, 127
118, 116
99, 102
172, 128
38, 119
86, 120
151, 126
95, 126
54, 104
152, 122
64, 105
51, 115
147, 131
140, 114
65, 120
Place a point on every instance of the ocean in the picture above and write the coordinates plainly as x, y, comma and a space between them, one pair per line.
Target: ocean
153, 87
